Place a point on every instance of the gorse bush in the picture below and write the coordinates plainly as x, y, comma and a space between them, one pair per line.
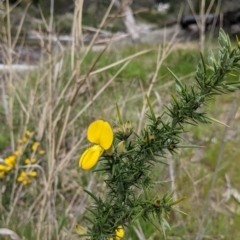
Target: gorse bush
127, 158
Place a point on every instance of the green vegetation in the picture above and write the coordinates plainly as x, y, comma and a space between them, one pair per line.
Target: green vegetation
128, 164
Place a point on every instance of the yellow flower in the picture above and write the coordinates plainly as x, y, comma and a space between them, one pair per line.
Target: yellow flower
26, 178
35, 146
2, 173
90, 157
41, 152
5, 168
28, 161
100, 133
23, 140
119, 233
32, 173
28, 133
9, 163
16, 153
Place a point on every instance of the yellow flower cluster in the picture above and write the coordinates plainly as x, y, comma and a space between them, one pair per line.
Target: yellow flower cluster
7, 165
9, 162
100, 133
36, 148
26, 177
35, 145
30, 161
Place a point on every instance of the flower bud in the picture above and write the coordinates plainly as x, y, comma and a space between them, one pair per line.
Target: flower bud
121, 147
110, 151
35, 146
80, 229
151, 137
157, 203
128, 128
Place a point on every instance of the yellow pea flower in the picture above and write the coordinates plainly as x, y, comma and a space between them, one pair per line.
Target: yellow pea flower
41, 152
2, 174
5, 168
32, 173
22, 140
27, 161
9, 163
30, 161
35, 146
23, 178
100, 133
90, 157
28, 133
26, 178
16, 153
119, 233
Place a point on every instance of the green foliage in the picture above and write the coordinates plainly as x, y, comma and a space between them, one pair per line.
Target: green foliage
130, 166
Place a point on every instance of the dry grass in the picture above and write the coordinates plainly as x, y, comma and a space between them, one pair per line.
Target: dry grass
55, 102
